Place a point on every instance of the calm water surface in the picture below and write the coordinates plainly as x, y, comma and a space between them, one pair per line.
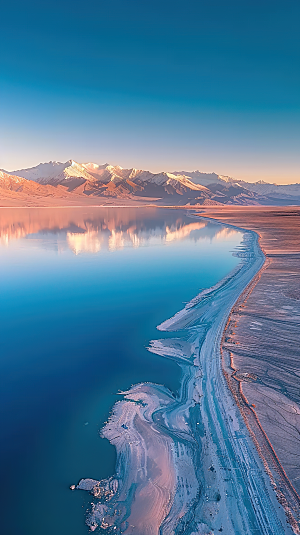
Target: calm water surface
81, 293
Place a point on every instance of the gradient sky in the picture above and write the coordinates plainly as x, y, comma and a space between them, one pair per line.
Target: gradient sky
163, 85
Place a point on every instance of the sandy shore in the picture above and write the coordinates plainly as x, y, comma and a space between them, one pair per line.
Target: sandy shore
188, 464
261, 355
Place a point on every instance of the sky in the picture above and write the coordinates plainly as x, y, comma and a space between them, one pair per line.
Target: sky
162, 85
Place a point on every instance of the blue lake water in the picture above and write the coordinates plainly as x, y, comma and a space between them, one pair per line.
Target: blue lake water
82, 291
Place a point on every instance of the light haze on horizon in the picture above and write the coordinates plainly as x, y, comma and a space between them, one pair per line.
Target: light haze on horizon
162, 86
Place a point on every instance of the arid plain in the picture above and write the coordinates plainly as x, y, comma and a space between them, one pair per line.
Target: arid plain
261, 357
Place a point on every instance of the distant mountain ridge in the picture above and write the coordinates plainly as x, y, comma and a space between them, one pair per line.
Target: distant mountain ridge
114, 181
260, 187
18, 184
176, 188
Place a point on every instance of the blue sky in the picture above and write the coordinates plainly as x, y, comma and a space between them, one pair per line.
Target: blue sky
162, 85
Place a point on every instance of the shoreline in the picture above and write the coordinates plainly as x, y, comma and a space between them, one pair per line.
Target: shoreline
260, 347
217, 481
285, 492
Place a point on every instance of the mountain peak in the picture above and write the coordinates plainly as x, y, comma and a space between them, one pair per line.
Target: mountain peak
177, 187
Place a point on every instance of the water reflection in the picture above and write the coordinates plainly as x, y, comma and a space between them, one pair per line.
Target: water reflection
91, 230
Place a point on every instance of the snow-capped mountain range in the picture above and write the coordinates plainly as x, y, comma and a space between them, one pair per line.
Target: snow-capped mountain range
176, 188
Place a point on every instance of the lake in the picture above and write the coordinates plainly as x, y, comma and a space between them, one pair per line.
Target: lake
82, 291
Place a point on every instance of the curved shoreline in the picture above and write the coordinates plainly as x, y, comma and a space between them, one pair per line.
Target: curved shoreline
191, 456
286, 494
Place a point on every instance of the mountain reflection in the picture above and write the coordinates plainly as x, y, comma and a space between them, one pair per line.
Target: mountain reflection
91, 230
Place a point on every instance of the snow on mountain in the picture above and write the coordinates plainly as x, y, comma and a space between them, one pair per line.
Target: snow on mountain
264, 188
197, 177
20, 185
54, 172
179, 187
272, 191
16, 183
94, 176
43, 170
99, 172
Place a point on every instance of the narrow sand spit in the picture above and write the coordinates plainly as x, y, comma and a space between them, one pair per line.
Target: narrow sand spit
187, 464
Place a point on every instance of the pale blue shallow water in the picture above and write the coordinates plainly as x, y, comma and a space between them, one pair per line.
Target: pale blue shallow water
81, 293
